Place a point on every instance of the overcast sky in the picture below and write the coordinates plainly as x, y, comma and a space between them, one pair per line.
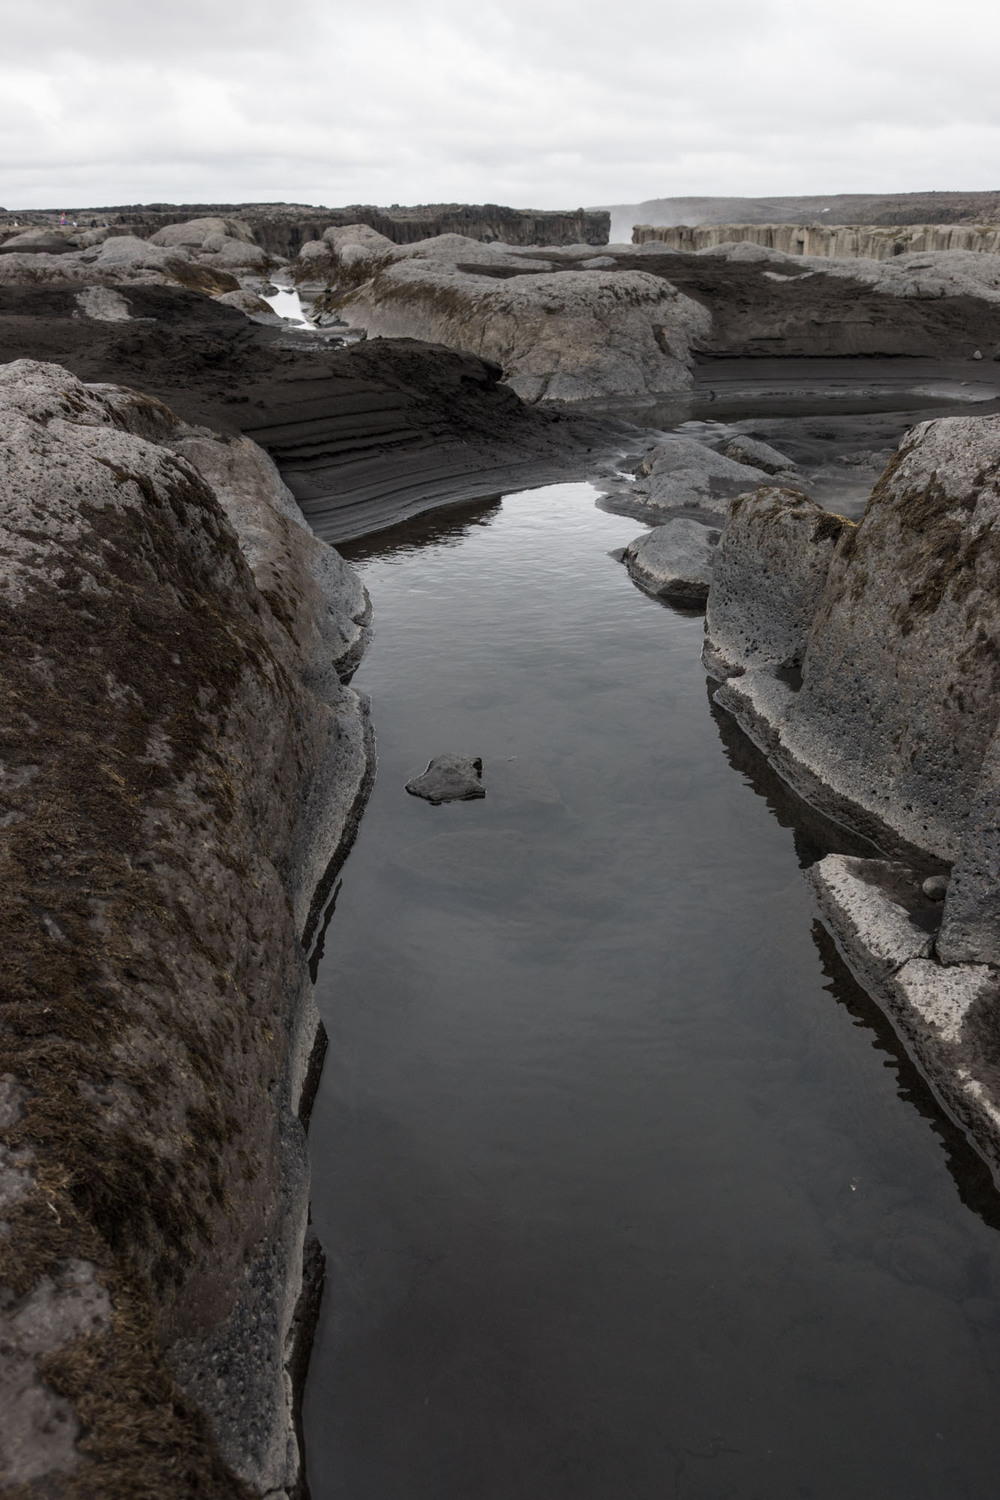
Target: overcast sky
535, 103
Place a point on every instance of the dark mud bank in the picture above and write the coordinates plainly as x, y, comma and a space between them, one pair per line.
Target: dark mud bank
363, 436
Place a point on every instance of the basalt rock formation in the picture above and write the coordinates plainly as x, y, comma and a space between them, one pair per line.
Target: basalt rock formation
844, 241
206, 256
182, 766
831, 208
283, 228
557, 336
865, 661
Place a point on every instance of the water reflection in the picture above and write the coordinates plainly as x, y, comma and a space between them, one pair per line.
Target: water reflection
814, 835
616, 1202
971, 1175
445, 527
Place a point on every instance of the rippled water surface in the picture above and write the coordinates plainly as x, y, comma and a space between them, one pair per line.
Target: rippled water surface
626, 1192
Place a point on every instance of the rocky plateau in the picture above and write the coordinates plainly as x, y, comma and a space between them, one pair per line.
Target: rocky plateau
184, 760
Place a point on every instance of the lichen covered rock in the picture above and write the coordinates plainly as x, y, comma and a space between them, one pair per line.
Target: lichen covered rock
557, 336
768, 580
166, 722
892, 727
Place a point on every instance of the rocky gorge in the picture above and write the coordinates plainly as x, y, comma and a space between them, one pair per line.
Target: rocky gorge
185, 761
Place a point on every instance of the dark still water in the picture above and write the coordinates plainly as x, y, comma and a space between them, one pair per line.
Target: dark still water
625, 1193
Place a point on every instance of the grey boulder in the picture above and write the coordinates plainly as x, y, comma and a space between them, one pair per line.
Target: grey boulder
674, 561
769, 577
683, 474
449, 778
759, 455
556, 336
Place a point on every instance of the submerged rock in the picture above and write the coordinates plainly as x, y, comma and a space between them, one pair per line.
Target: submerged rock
674, 561
449, 778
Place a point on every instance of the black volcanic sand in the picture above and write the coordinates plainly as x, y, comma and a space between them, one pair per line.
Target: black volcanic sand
364, 435
809, 313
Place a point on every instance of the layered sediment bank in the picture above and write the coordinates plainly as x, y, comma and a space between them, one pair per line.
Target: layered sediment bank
363, 436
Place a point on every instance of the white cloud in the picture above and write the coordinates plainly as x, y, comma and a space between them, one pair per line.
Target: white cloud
542, 103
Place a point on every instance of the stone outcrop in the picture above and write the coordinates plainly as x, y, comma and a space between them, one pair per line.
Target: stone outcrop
674, 561
344, 257
759, 455
283, 228
822, 208
181, 767
364, 436
937, 305
224, 243
844, 241
207, 255
769, 576
899, 680
865, 661
682, 474
556, 336
946, 1014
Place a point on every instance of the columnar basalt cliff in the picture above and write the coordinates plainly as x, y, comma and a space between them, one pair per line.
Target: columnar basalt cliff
865, 661
182, 766
873, 242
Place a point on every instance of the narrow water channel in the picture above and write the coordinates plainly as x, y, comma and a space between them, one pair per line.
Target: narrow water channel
625, 1192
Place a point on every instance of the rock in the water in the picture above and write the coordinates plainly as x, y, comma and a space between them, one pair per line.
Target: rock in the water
759, 455
884, 920
876, 906
674, 561
769, 577
682, 474
449, 778
246, 301
557, 336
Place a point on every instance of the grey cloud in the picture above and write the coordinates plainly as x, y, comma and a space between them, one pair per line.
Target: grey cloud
538, 102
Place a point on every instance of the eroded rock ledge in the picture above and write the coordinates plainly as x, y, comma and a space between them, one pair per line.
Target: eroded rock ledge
864, 659
180, 764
